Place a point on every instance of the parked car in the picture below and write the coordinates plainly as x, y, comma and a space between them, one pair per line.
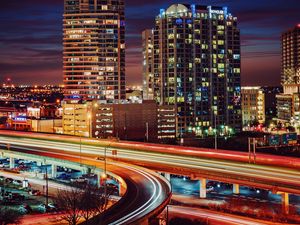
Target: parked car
17, 197
17, 182
43, 208
34, 192
24, 209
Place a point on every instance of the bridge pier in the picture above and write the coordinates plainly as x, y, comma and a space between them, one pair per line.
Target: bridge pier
53, 171
98, 179
84, 170
202, 188
236, 189
122, 190
285, 202
168, 176
11, 162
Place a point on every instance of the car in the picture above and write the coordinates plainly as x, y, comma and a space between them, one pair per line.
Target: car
24, 209
99, 158
2, 165
17, 197
64, 176
43, 208
17, 182
8, 180
79, 180
209, 189
34, 192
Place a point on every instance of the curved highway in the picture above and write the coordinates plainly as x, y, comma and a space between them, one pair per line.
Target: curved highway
146, 196
268, 177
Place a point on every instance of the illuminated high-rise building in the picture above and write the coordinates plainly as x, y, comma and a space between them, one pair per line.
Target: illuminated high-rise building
196, 67
148, 54
288, 103
290, 47
94, 50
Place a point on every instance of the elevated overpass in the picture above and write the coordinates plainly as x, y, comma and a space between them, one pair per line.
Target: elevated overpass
281, 175
145, 192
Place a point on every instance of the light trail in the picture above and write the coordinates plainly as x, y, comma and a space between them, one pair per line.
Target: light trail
267, 173
146, 178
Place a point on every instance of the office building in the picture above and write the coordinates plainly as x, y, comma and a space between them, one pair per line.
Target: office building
94, 50
288, 110
77, 119
253, 105
134, 121
195, 66
290, 47
148, 63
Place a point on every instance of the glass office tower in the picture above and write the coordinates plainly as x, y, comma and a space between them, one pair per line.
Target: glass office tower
94, 50
196, 67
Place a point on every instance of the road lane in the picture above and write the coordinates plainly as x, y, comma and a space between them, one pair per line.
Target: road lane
266, 177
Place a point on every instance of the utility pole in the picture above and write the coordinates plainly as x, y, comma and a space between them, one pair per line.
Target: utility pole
105, 178
47, 187
147, 132
216, 138
80, 149
252, 151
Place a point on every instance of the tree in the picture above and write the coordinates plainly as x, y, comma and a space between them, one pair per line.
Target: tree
81, 202
93, 201
9, 216
69, 202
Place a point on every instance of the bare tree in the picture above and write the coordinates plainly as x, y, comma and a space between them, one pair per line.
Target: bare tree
69, 202
82, 202
9, 216
93, 201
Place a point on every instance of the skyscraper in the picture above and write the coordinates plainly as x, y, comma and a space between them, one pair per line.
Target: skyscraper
288, 103
148, 76
290, 48
196, 67
94, 50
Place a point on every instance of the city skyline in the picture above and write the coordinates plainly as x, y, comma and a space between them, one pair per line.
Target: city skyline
31, 38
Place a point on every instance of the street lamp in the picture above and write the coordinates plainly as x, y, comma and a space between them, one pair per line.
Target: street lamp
216, 140
105, 175
89, 116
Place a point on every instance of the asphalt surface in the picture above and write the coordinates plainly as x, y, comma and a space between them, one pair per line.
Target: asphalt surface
147, 192
274, 178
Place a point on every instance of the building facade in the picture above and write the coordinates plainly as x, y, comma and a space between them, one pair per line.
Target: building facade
196, 67
253, 105
290, 48
288, 111
77, 119
94, 50
134, 121
148, 63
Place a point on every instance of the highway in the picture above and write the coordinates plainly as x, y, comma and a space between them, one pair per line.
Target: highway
147, 192
213, 217
274, 178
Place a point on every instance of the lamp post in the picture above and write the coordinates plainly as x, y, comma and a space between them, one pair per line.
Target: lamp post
80, 148
89, 116
216, 140
105, 177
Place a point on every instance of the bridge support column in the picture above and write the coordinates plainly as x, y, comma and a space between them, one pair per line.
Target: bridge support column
202, 187
236, 189
168, 176
84, 170
285, 202
122, 190
11, 162
98, 179
54, 171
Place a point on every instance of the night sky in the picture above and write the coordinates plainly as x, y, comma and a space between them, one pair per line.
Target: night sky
31, 37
